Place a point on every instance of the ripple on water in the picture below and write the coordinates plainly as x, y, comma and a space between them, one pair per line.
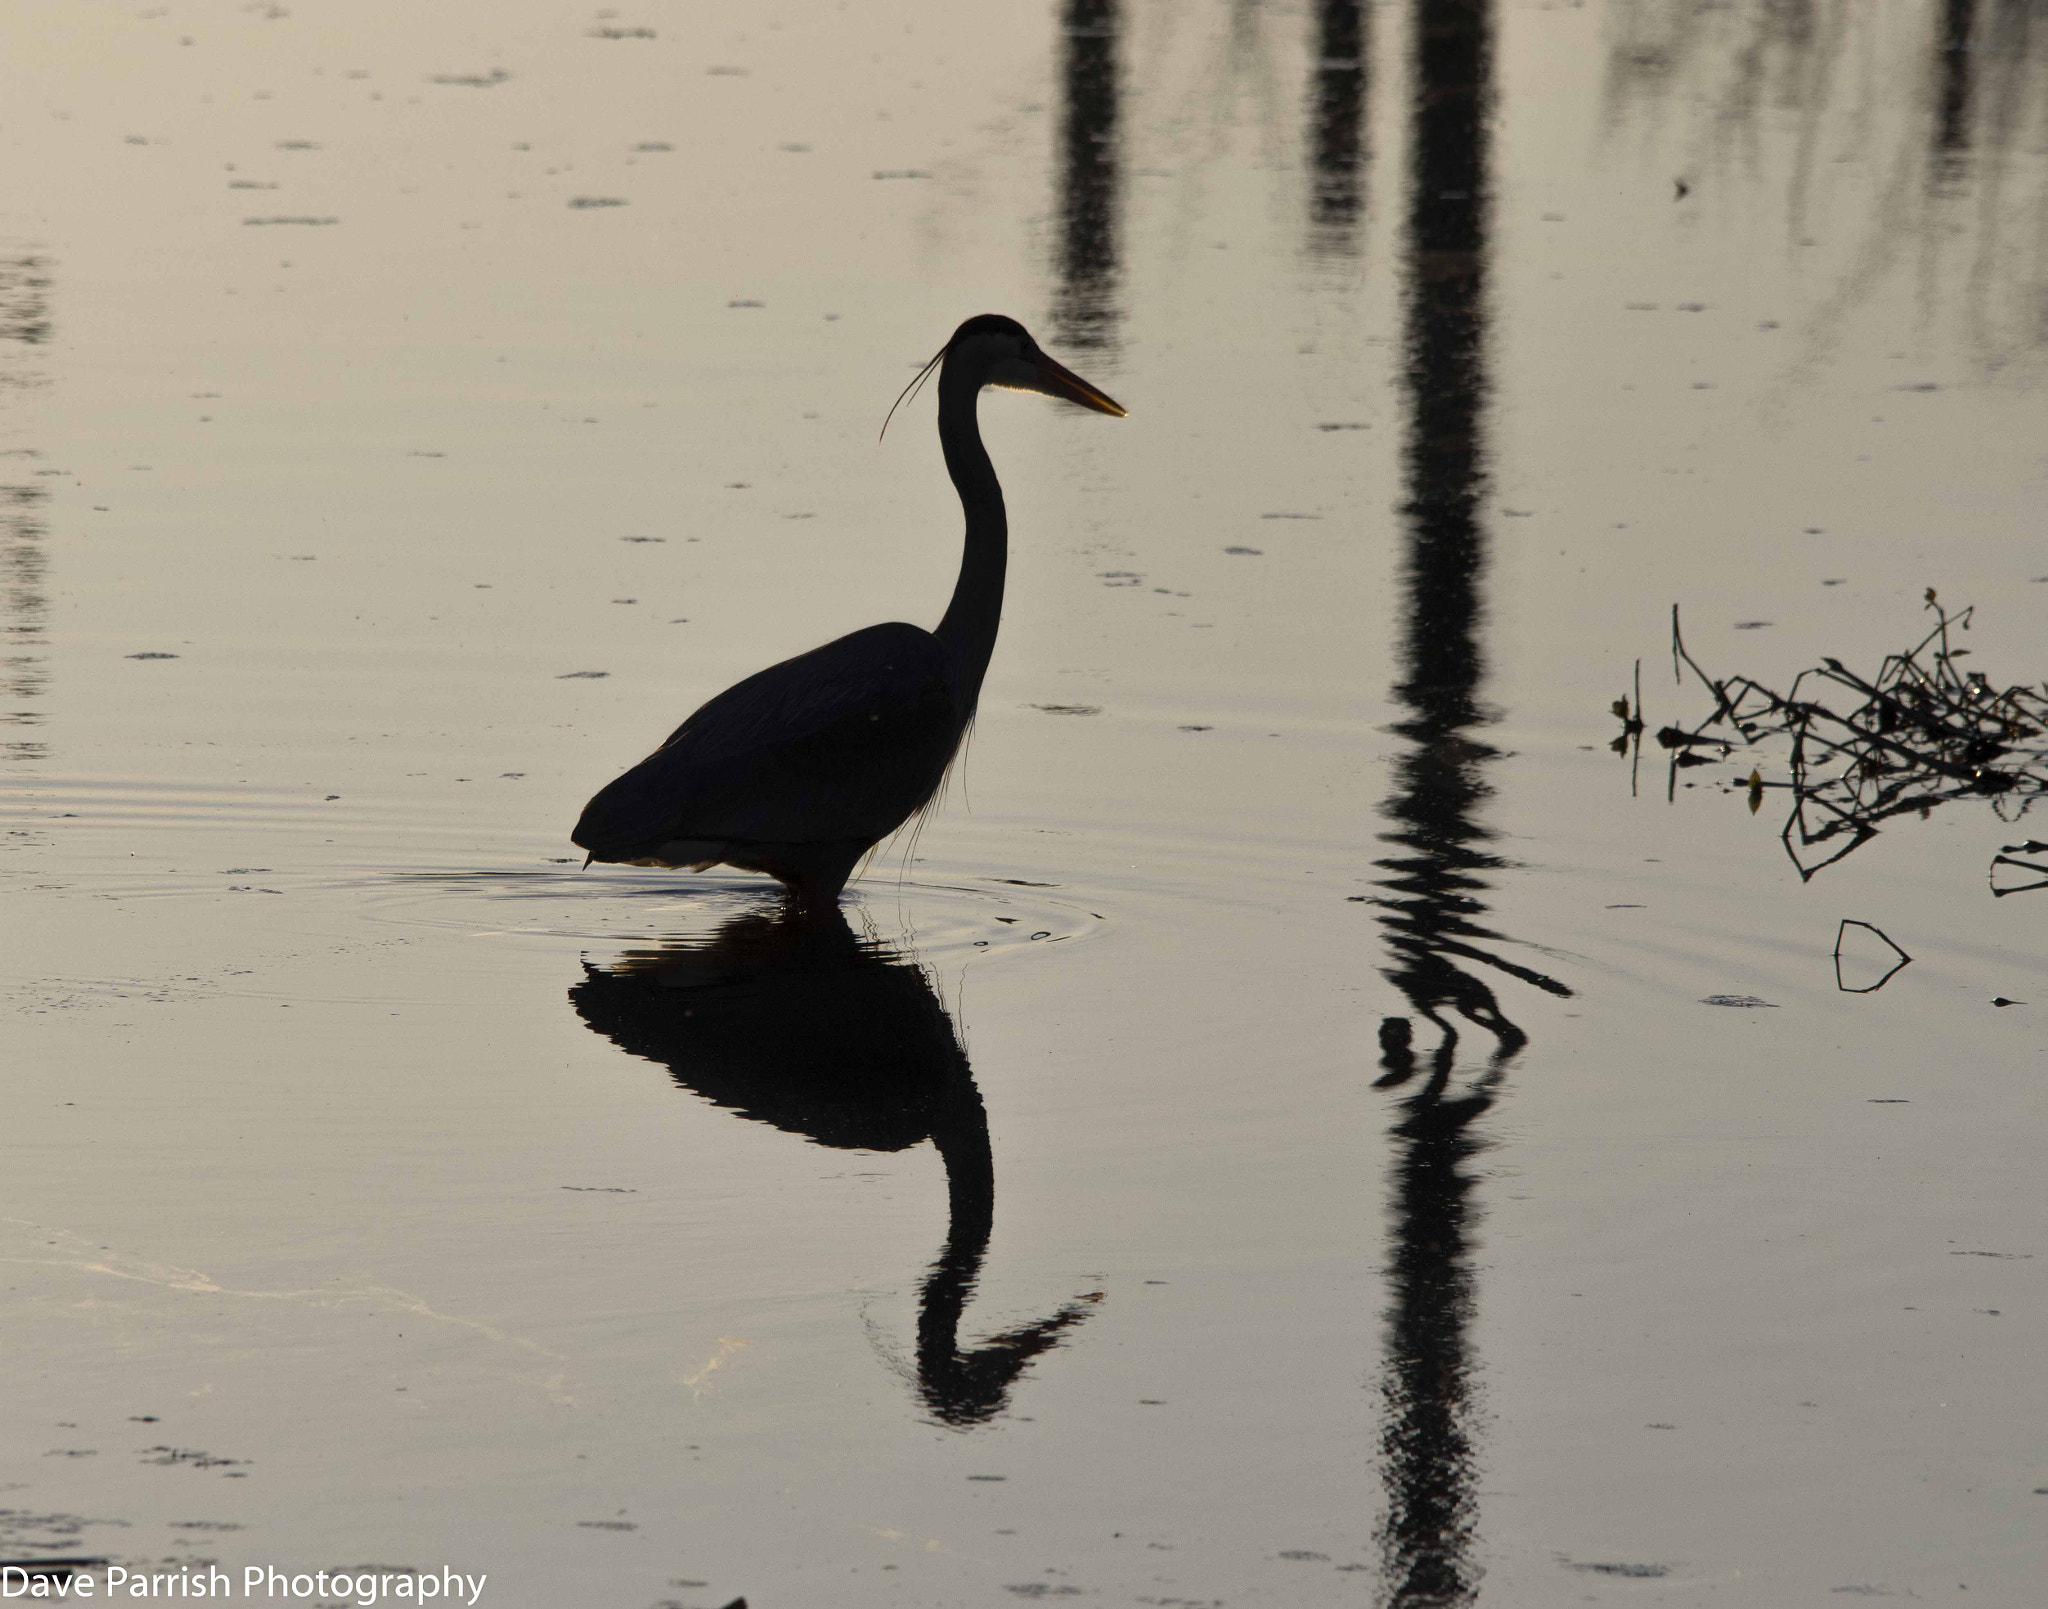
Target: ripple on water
940, 921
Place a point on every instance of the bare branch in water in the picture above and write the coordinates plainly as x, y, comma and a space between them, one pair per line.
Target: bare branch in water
1919, 733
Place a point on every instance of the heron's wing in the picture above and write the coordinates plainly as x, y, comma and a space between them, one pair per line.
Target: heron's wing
843, 742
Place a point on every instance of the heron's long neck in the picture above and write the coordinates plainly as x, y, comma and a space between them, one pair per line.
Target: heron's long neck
968, 632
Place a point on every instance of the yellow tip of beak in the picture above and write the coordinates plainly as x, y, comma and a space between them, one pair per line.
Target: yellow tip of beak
1054, 380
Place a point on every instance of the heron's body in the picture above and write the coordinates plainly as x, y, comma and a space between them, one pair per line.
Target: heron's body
802, 768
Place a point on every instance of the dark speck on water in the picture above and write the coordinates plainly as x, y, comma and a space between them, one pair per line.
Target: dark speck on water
1751, 625
585, 203
151, 654
1252, 552
582, 675
1747, 1001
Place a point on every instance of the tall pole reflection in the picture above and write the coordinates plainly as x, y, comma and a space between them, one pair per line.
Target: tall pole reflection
1337, 141
1090, 175
803, 1026
1434, 883
1948, 92
1952, 118
24, 326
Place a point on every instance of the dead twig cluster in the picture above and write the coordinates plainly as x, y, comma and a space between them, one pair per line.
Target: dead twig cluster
1919, 733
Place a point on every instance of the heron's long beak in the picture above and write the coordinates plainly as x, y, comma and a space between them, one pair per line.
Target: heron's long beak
1057, 381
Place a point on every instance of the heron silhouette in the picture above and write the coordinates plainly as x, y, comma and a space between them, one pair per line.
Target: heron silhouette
804, 767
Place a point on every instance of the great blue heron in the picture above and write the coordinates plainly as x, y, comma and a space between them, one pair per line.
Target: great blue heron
802, 768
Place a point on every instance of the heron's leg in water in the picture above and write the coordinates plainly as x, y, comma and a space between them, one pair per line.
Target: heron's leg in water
815, 874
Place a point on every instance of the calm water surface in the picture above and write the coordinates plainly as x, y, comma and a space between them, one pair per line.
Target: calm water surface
1308, 1122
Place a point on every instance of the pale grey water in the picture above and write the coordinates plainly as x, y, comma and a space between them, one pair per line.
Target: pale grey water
313, 1162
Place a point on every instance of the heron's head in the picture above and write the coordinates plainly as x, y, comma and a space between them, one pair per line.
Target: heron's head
990, 349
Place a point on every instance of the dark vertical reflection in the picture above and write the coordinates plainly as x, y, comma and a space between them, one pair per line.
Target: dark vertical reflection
1952, 117
1337, 197
1085, 310
1938, 105
805, 1027
24, 605
1431, 906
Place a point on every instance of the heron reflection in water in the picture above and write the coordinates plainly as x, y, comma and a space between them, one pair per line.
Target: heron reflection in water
787, 1018
801, 769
